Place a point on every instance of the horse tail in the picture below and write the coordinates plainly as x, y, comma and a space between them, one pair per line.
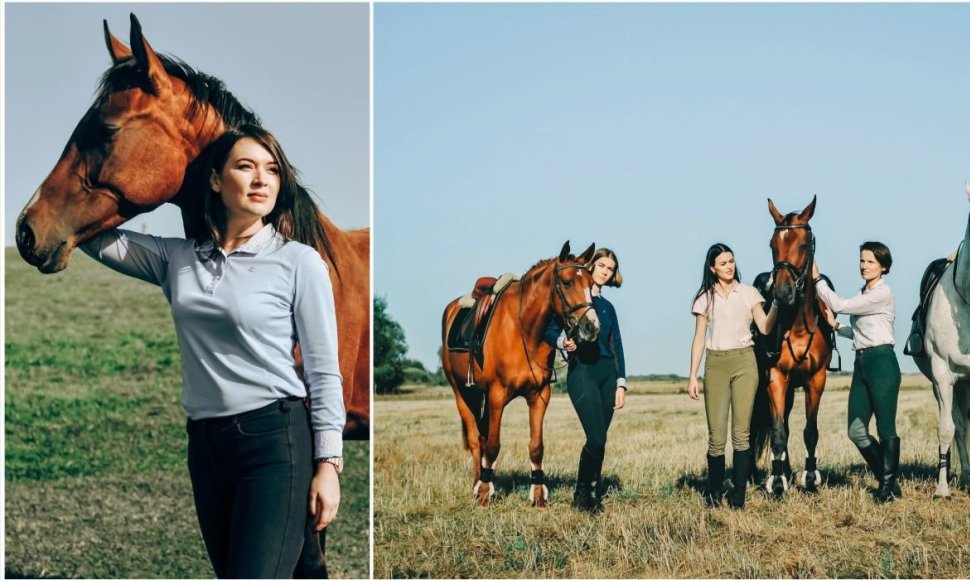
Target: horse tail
761, 423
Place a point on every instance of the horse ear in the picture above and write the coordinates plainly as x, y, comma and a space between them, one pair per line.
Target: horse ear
564, 252
116, 48
588, 254
775, 214
809, 211
147, 60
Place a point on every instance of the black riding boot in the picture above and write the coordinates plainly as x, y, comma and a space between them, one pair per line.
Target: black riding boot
739, 477
596, 491
888, 484
583, 498
715, 480
873, 456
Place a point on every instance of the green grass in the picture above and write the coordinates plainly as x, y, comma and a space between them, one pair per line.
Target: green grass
654, 523
95, 481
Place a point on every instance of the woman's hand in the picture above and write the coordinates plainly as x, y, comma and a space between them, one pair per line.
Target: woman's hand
569, 344
693, 388
620, 398
324, 495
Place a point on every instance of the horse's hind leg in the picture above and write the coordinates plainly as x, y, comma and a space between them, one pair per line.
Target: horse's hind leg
810, 478
469, 427
538, 402
961, 420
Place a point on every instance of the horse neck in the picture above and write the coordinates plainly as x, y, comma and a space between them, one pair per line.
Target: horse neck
962, 273
534, 304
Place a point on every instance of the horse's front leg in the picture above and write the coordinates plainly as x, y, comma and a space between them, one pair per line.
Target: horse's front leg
538, 403
943, 389
485, 486
810, 477
777, 482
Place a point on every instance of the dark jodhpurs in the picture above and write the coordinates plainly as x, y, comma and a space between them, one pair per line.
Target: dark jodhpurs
592, 390
251, 480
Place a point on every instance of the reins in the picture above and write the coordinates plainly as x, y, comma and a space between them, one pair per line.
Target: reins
801, 276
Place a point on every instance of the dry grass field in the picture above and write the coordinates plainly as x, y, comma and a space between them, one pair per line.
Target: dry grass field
654, 523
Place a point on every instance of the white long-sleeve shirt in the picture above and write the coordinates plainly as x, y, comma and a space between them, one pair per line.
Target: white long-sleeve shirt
238, 317
871, 314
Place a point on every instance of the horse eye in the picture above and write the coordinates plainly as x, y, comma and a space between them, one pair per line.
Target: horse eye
567, 283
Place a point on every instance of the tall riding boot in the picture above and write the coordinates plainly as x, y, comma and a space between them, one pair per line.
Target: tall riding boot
715, 480
888, 484
583, 499
873, 456
739, 477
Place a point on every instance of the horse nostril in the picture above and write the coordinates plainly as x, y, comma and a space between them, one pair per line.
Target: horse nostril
25, 241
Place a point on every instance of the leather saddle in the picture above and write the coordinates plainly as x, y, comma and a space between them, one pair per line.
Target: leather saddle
931, 278
467, 332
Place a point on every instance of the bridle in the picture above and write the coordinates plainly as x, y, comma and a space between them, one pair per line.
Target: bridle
570, 319
802, 274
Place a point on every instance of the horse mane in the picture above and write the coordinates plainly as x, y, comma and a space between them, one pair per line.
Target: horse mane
204, 88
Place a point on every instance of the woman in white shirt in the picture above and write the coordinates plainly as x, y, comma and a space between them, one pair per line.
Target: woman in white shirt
724, 309
876, 376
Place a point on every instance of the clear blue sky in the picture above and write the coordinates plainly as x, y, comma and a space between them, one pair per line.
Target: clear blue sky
503, 130
303, 68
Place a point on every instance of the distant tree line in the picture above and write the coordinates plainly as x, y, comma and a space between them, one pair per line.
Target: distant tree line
391, 367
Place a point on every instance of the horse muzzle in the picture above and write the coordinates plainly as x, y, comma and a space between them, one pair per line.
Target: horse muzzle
48, 259
588, 327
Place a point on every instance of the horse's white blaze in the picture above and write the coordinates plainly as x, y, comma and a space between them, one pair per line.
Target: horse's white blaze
30, 204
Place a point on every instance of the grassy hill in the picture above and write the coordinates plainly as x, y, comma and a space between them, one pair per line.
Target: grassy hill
95, 482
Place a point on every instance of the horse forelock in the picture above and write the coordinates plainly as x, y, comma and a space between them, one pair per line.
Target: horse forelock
205, 89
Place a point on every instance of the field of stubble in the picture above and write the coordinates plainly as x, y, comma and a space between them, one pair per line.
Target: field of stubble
654, 523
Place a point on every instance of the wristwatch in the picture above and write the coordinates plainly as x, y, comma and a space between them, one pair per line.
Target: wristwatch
337, 462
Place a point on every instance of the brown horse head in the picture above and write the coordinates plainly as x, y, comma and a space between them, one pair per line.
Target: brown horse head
128, 154
572, 286
792, 250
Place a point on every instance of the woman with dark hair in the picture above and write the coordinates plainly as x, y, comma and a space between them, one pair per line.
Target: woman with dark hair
875, 375
596, 381
242, 295
724, 310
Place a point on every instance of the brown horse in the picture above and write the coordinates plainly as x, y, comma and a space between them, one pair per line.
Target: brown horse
803, 354
140, 145
517, 362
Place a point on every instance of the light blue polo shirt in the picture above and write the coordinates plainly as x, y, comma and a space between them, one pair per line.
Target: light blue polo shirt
238, 317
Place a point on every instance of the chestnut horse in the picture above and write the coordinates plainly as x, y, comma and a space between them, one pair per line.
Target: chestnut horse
803, 356
517, 362
140, 145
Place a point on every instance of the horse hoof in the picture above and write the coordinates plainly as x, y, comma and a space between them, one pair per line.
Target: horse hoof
538, 495
483, 493
942, 494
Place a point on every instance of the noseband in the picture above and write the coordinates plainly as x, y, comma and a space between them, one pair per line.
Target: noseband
570, 320
800, 274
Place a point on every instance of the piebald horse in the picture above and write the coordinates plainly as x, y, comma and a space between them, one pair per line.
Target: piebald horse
517, 362
137, 147
946, 362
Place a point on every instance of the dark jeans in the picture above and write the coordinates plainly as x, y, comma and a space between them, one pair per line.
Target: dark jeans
251, 480
592, 390
874, 391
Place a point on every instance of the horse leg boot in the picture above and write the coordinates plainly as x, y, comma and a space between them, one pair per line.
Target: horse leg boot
585, 479
888, 484
872, 453
715, 480
739, 477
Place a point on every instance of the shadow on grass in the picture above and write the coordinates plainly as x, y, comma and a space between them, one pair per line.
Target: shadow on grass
10, 573
510, 483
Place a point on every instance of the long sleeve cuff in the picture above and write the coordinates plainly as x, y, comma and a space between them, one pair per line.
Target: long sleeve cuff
621, 382
328, 444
